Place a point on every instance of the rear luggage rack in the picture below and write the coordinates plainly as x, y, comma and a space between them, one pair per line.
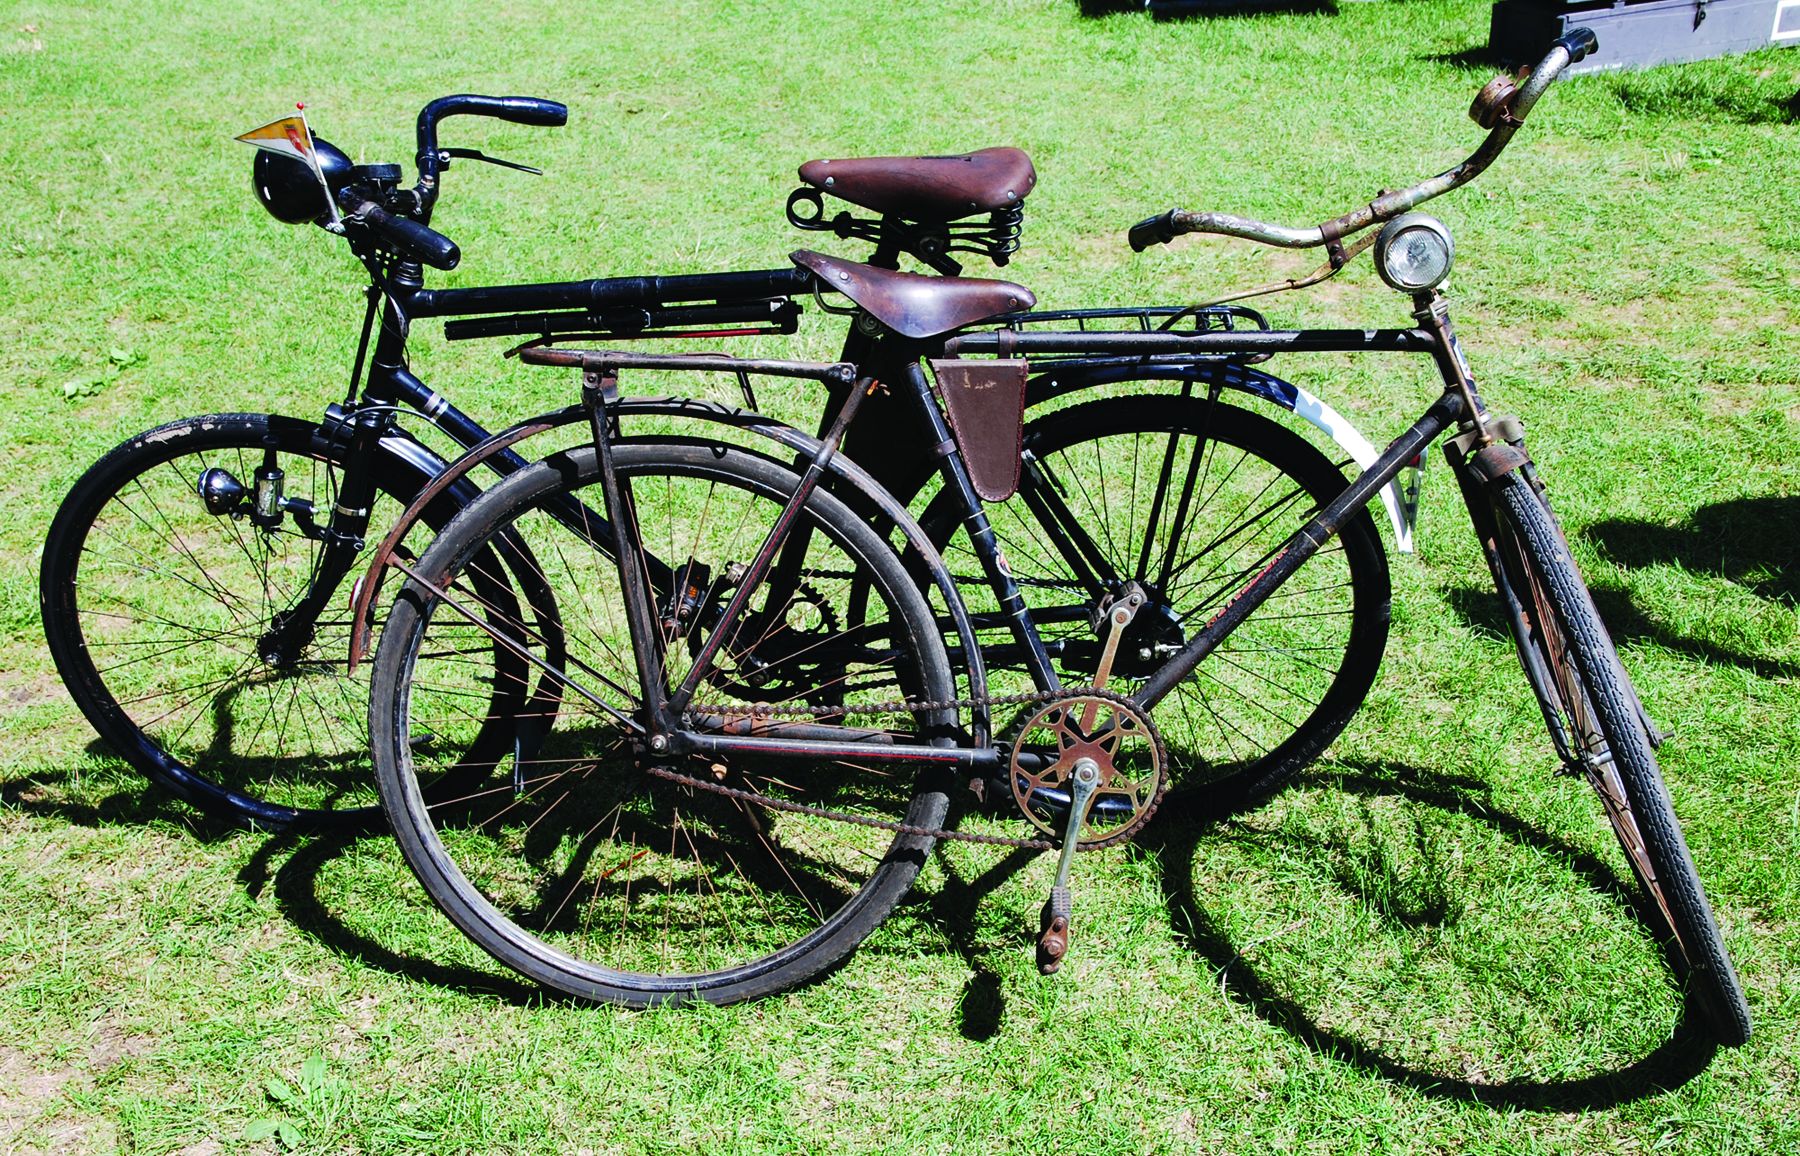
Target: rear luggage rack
1145, 319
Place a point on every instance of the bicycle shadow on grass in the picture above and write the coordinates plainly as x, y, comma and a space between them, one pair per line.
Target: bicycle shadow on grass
124, 798
1175, 847
1750, 542
289, 862
300, 896
953, 909
1479, 607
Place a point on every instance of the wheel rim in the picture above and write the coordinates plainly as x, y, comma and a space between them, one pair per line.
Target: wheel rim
575, 862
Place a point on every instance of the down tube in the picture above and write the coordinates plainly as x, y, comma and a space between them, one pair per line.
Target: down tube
1304, 543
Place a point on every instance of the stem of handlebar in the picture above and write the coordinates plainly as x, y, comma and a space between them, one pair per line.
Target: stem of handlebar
1567, 50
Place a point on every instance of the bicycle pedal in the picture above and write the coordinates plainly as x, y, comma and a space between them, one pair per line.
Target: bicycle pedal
1053, 931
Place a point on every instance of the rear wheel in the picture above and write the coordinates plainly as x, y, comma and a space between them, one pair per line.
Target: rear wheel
583, 867
1190, 498
1596, 721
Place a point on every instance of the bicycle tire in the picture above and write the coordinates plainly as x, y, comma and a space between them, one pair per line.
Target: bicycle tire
140, 588
1238, 728
751, 900
1599, 711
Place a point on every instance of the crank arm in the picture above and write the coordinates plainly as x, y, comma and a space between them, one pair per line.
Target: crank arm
1053, 923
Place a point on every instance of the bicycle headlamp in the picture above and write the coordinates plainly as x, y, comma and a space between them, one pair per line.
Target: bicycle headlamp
1413, 252
289, 189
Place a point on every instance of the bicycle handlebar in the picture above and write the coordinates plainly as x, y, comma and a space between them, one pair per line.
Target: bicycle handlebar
517, 109
419, 242
1506, 105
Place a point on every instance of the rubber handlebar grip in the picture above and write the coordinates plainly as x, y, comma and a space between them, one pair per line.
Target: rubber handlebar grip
1580, 43
1158, 230
411, 239
528, 110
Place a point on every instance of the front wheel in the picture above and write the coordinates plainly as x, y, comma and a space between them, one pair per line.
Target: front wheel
1594, 716
584, 865
160, 612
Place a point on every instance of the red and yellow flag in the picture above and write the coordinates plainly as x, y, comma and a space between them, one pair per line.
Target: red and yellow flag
290, 137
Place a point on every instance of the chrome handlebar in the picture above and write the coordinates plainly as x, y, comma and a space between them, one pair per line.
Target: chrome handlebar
1500, 107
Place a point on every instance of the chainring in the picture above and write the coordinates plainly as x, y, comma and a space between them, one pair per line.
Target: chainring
1112, 731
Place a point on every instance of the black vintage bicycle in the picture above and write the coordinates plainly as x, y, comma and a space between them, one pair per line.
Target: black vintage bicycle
774, 697
193, 582
191, 578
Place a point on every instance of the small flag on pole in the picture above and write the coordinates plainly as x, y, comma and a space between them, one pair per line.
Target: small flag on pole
290, 137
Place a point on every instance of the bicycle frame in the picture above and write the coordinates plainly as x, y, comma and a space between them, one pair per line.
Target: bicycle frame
1459, 404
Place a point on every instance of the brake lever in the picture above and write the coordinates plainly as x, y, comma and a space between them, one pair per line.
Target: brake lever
478, 155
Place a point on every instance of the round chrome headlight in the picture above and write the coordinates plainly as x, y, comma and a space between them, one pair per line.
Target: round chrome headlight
1413, 252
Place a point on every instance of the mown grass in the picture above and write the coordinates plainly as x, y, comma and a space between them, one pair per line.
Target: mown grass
1427, 945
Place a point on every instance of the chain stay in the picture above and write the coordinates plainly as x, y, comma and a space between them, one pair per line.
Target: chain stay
770, 710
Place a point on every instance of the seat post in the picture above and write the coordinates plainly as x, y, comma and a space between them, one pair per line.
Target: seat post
887, 250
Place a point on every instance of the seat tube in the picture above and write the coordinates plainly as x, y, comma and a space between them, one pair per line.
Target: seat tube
981, 534
598, 392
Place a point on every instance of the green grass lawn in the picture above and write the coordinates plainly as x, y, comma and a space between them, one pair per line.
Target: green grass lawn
1426, 945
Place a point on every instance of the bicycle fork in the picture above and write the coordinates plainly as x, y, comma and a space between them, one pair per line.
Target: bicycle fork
265, 504
1490, 448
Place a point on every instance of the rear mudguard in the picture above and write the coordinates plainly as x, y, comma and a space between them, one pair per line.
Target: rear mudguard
1060, 382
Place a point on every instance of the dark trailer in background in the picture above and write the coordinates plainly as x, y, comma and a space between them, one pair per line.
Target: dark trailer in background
1634, 33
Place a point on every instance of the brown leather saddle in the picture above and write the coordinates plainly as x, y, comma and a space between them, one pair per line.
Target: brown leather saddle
927, 188
913, 304
929, 207
985, 399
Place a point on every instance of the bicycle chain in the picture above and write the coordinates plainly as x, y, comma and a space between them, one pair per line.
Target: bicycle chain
767, 803
770, 710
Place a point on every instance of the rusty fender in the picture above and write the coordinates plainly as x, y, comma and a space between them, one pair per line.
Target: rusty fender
704, 413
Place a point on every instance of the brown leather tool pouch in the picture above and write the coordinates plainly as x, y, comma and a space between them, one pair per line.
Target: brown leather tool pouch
986, 403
